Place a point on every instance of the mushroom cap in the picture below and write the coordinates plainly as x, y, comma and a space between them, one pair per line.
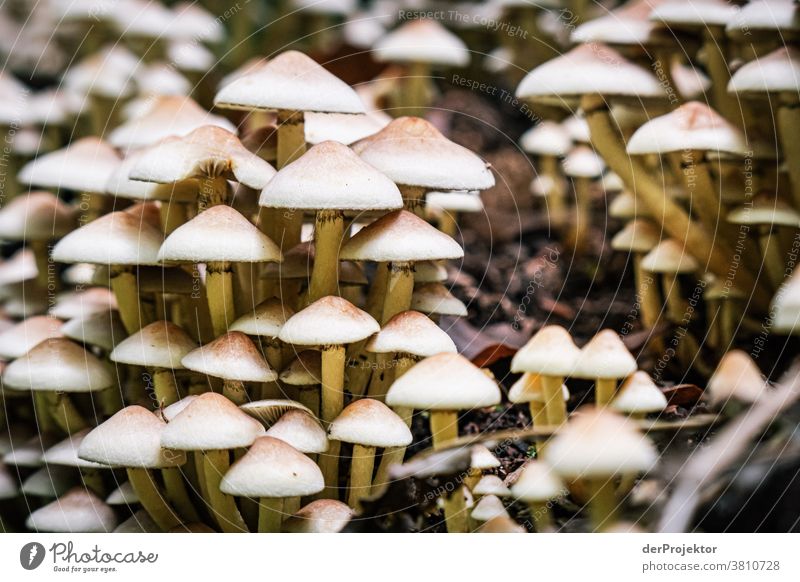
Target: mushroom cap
118, 238
219, 234
103, 329
637, 236
605, 356
346, 128
84, 303
400, 236
765, 16
529, 389
591, 68
691, 83
330, 176
190, 56
85, 166
65, 453
639, 394
413, 152
444, 382
210, 422
502, 524
36, 216
130, 438
489, 507
232, 356
436, 299
548, 138
537, 482
583, 162
765, 210
786, 305
777, 72
123, 495
437, 203
273, 468
139, 522
120, 183
628, 24
304, 370
699, 13
737, 377
301, 430
174, 409
491, 485
597, 444
266, 319
161, 344
692, 126
29, 453
319, 516
49, 482
58, 365
370, 423
429, 272
78, 510
208, 151
16, 341
270, 411
669, 257
550, 352
482, 459
106, 73
411, 332
166, 116
20, 267
328, 321
422, 41
291, 81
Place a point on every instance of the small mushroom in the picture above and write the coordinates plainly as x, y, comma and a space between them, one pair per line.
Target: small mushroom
605, 359
538, 486
77, 511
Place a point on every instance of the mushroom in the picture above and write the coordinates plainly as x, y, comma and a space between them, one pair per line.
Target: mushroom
639, 396
18, 340
537, 486
605, 359
738, 379
101, 330
547, 142
528, 389
434, 300
65, 454
305, 373
273, 471
367, 424
552, 355
301, 430
639, 237
77, 511
488, 507
582, 165
491, 485
319, 516
49, 482
330, 323
445, 208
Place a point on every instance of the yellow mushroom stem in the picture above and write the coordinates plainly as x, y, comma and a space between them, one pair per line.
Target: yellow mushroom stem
414, 89
173, 214
64, 413
153, 502
219, 289
583, 214
126, 290
42, 412
93, 480
328, 233
715, 47
413, 199
541, 515
788, 130
556, 203
274, 356
223, 507
177, 494
270, 515
332, 395
399, 288
647, 295
448, 222
103, 113
668, 215
235, 391
213, 192
165, 387
444, 429
395, 455
361, 468
377, 290
604, 390
308, 396
602, 502
774, 261
553, 396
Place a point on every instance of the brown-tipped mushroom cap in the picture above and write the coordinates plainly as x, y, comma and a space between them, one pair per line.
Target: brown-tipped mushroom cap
161, 344
370, 423
232, 356
77, 511
16, 341
436, 299
423, 41
605, 356
550, 352
36, 216
411, 332
777, 72
65, 453
320, 516
537, 483
328, 321
737, 377
104, 329
84, 166
302, 431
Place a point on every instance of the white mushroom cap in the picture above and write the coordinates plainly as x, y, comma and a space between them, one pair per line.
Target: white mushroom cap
206, 151
638, 236
766, 16
36, 216
737, 377
669, 257
444, 382
413, 152
84, 303
85, 165
437, 203
599, 444
550, 352
400, 236
436, 299
139, 522
118, 238
481, 458
328, 321
194, 22
103, 329
58, 365
502, 524
319, 516
691, 83
694, 14
694, 126
330, 176
123, 495
578, 128
537, 482
232, 356
546, 139
28, 453
491, 485
779, 71
190, 56
370, 423
605, 356
301, 430
174, 409
628, 24
411, 332
130, 438
16, 341
49, 482
107, 73
344, 128
78, 511
219, 234
65, 453
429, 272
266, 319
290, 81
210, 422
583, 162
424, 41
489, 507
786, 305
273, 468
638, 395
161, 344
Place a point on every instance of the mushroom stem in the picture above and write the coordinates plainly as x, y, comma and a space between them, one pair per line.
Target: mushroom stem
63, 412
361, 467
789, 129
126, 290
773, 257
538, 412
580, 225
165, 387
540, 515
647, 293
219, 288
554, 399
178, 496
714, 45
668, 215
381, 376
444, 427
392, 455
377, 290
413, 199
234, 391
223, 507
399, 288
701, 191
213, 192
270, 515
42, 412
557, 210
328, 233
602, 502
333, 361
44, 278
308, 396
414, 91
173, 214
604, 390
274, 356
151, 499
